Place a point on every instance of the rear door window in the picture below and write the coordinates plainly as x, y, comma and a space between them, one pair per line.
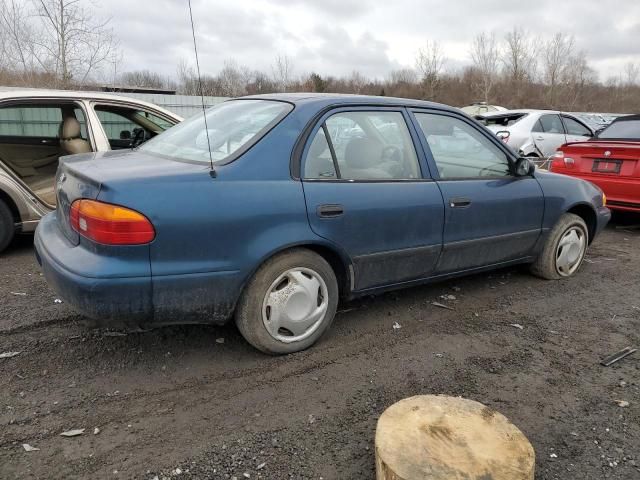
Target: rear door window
575, 128
459, 150
551, 123
126, 127
374, 145
30, 121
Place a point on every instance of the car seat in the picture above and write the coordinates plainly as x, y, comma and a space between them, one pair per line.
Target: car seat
71, 140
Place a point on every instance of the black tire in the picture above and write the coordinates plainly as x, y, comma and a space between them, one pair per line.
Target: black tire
545, 265
249, 311
7, 228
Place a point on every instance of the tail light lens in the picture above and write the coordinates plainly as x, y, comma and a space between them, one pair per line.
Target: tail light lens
110, 224
561, 161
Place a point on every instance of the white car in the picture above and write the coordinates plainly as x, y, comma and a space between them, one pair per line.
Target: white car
37, 127
536, 133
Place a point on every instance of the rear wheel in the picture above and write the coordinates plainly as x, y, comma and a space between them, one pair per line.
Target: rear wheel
289, 303
7, 229
564, 249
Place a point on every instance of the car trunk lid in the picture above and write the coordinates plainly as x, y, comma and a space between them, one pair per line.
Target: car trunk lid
115, 172
597, 158
71, 184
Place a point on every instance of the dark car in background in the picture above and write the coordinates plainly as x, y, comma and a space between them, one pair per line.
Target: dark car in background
286, 203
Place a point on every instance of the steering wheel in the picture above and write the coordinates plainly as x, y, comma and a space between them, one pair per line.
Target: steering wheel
138, 137
391, 153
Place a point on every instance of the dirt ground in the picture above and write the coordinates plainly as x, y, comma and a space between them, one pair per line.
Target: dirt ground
198, 402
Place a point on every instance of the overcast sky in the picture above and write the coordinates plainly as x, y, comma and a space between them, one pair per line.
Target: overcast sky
372, 36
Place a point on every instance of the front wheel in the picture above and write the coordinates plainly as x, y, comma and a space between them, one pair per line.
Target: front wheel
564, 249
289, 303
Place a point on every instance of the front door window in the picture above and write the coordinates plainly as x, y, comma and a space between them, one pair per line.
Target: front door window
459, 150
127, 127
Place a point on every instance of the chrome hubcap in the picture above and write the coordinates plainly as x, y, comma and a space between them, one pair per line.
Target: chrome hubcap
570, 251
295, 305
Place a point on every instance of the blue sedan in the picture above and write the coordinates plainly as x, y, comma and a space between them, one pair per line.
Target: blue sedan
278, 206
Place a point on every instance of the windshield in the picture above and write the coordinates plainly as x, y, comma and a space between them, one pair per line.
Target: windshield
622, 130
233, 126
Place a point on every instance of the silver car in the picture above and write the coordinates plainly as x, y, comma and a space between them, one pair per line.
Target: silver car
37, 127
536, 133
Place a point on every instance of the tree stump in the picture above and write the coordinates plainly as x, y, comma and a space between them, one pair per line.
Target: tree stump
443, 438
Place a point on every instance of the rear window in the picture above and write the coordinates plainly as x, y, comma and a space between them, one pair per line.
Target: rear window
233, 127
504, 120
622, 130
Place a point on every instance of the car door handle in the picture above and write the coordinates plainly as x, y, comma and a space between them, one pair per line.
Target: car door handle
540, 138
330, 211
459, 202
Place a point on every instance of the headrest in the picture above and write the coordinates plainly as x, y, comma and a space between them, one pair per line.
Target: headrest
69, 129
362, 153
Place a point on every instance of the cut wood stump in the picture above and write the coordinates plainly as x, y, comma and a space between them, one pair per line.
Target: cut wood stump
444, 438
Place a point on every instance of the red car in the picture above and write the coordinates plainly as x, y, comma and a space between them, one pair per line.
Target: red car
611, 160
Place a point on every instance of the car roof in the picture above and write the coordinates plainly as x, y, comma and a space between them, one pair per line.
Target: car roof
635, 116
331, 99
17, 93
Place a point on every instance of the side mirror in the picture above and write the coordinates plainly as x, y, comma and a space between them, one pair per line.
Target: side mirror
524, 167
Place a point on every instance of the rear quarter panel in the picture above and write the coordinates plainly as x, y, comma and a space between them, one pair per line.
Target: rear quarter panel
213, 233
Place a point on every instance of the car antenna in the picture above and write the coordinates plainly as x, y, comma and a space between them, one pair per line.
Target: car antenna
212, 171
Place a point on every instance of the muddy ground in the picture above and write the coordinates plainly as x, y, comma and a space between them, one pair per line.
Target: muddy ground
198, 402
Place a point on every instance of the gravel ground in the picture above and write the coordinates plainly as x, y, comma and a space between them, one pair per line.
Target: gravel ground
198, 402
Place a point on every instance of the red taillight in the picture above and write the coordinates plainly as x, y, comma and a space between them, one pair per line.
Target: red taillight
560, 161
110, 224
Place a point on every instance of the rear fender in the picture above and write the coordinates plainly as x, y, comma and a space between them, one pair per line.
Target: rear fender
529, 148
329, 251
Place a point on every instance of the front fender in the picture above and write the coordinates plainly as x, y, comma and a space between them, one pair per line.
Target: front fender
563, 193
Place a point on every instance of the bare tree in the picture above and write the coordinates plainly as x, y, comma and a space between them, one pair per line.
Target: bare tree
260, 82
402, 76
233, 79
282, 71
430, 62
576, 79
73, 43
557, 52
631, 74
187, 80
519, 56
356, 82
16, 37
484, 54
143, 78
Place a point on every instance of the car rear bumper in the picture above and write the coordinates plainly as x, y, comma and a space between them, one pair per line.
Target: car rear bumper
116, 290
101, 297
